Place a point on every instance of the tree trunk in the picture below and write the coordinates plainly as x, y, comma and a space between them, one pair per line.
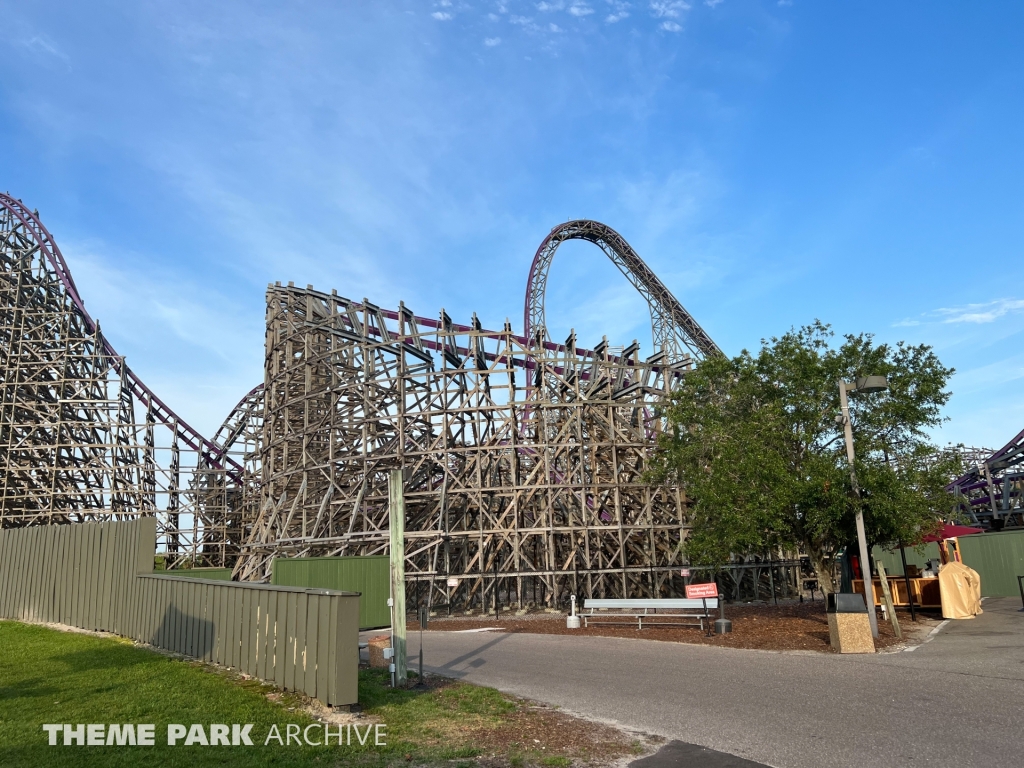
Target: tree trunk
824, 573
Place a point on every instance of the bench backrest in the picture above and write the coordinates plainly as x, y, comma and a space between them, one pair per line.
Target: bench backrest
669, 602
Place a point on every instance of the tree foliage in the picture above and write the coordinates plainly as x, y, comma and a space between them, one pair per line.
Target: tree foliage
756, 444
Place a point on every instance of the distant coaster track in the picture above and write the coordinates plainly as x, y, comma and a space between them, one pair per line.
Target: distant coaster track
675, 331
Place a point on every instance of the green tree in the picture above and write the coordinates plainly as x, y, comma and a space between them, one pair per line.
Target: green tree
756, 444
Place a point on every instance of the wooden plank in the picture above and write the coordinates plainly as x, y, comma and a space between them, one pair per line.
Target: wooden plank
335, 666
263, 603
279, 613
247, 627
25, 611
76, 536
5, 566
82, 576
291, 638
95, 576
188, 614
348, 648
36, 577
215, 629
164, 619
46, 594
236, 624
103, 568
196, 609
178, 616
324, 649
132, 607
63, 578
123, 606
887, 596
14, 583
312, 636
207, 608
181, 614
301, 612
18, 573
396, 523
222, 624
32, 581
114, 596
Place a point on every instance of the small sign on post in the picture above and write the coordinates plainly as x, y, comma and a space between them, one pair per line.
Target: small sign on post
703, 592
685, 573
698, 591
453, 583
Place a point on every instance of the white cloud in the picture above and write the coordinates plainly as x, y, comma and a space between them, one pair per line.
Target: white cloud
713, 3
785, 2
490, 42
548, 7
620, 10
670, 9
977, 314
670, 26
441, 16
554, 28
580, 9
986, 312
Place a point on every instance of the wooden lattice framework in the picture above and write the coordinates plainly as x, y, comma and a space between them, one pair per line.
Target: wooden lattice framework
524, 462
81, 437
524, 459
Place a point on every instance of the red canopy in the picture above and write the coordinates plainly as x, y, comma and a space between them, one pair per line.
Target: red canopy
952, 531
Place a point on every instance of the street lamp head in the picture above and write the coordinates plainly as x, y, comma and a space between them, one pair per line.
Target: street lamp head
872, 384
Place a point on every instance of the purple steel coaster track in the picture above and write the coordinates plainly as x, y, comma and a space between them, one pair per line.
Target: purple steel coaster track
674, 329
991, 475
214, 455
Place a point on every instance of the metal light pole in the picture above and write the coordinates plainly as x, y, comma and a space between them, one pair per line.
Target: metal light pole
866, 384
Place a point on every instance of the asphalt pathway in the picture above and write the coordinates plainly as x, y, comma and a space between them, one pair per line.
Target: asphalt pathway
953, 701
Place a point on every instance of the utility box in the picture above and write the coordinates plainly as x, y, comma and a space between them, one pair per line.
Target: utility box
849, 630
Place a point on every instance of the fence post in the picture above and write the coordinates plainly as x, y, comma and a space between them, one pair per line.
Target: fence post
396, 524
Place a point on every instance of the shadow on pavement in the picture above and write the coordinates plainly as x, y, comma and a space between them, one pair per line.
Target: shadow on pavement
679, 754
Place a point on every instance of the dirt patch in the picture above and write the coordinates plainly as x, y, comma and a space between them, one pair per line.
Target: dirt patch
791, 626
536, 734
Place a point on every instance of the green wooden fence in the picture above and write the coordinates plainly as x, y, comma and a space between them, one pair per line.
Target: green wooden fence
99, 576
997, 557
370, 576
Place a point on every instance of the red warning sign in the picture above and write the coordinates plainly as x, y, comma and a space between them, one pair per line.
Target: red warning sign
697, 591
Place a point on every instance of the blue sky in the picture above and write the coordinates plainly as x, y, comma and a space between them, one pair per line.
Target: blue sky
774, 162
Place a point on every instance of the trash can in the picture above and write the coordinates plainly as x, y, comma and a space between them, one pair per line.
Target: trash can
849, 630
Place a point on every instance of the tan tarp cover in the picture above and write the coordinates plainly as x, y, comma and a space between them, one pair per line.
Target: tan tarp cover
960, 589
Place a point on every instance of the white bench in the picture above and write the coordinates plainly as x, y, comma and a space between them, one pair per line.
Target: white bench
661, 611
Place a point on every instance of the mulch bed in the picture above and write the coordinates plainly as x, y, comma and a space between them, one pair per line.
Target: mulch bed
786, 627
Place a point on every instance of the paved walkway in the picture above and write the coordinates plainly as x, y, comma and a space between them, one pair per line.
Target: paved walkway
954, 701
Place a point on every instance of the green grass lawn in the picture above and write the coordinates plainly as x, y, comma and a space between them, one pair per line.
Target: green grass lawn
47, 676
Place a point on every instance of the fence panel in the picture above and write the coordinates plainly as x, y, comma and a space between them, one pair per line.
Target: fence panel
998, 558
369, 576
99, 576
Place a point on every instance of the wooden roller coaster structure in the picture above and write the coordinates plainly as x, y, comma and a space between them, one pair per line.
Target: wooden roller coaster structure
524, 460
